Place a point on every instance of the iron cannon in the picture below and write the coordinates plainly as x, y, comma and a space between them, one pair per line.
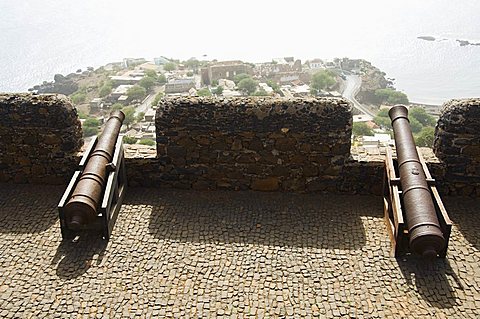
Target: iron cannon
425, 233
82, 206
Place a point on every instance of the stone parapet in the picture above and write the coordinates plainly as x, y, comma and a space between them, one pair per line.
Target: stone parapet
265, 144
457, 145
39, 138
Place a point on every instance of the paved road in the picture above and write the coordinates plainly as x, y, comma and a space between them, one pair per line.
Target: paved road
145, 105
352, 86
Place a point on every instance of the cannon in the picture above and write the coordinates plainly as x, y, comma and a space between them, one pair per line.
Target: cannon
413, 196
96, 190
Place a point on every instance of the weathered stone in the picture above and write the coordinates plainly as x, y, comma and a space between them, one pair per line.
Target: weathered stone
266, 184
237, 145
280, 171
52, 139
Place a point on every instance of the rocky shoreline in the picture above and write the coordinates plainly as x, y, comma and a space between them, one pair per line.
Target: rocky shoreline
460, 41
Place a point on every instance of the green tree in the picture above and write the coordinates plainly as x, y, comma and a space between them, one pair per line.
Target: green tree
248, 85
415, 125
78, 97
421, 115
146, 142
151, 74
382, 119
92, 122
161, 78
215, 83
260, 92
90, 131
322, 79
140, 116
105, 88
189, 73
169, 66
136, 92
361, 129
129, 140
239, 77
274, 86
129, 112
204, 92
147, 83
104, 91
116, 107
218, 90
391, 96
192, 63
157, 99
82, 115
425, 137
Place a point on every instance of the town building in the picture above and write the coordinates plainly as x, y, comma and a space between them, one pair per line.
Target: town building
315, 64
224, 70
161, 60
179, 85
125, 80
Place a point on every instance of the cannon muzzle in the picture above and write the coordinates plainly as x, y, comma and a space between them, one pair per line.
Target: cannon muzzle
82, 207
426, 237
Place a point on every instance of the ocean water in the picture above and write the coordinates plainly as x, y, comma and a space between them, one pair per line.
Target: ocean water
41, 38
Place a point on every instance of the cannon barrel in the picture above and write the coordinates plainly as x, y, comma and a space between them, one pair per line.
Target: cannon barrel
426, 237
81, 209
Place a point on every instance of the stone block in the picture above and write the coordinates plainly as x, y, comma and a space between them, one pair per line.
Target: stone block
266, 184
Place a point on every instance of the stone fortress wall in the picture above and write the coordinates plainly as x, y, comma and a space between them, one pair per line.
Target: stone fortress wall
40, 136
253, 143
299, 145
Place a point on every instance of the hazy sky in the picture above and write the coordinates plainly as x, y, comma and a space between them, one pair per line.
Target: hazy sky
41, 38
246, 28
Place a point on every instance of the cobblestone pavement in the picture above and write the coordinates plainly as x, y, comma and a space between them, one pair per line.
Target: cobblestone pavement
187, 254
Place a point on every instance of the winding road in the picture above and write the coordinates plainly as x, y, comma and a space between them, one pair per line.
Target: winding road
352, 86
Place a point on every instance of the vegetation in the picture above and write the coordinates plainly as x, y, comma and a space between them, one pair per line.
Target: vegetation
78, 97
390, 96
421, 123
260, 92
116, 107
169, 66
129, 112
89, 131
105, 89
161, 79
274, 86
204, 92
146, 141
382, 119
421, 116
192, 63
90, 126
321, 80
239, 77
157, 99
129, 140
91, 122
139, 116
425, 137
136, 92
361, 129
82, 115
151, 74
147, 83
218, 90
247, 85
